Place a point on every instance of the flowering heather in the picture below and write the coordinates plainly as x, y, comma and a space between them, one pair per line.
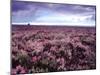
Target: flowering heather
52, 49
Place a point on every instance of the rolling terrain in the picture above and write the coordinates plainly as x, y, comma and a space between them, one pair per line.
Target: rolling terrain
39, 49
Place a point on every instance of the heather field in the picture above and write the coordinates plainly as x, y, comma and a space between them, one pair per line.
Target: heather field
39, 49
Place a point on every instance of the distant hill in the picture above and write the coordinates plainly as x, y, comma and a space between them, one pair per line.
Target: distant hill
45, 27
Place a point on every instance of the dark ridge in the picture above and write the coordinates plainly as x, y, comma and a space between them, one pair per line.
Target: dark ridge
45, 27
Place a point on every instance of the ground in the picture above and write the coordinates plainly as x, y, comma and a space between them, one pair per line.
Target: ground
37, 49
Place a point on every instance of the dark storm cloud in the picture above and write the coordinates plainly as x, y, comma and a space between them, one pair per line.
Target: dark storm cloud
67, 8
74, 9
23, 5
16, 6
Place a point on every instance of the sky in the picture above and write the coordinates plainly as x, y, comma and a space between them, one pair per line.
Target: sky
40, 13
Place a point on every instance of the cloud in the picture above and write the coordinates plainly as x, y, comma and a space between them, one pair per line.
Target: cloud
68, 19
35, 12
17, 6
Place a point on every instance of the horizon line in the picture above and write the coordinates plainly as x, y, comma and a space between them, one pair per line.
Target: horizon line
53, 24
